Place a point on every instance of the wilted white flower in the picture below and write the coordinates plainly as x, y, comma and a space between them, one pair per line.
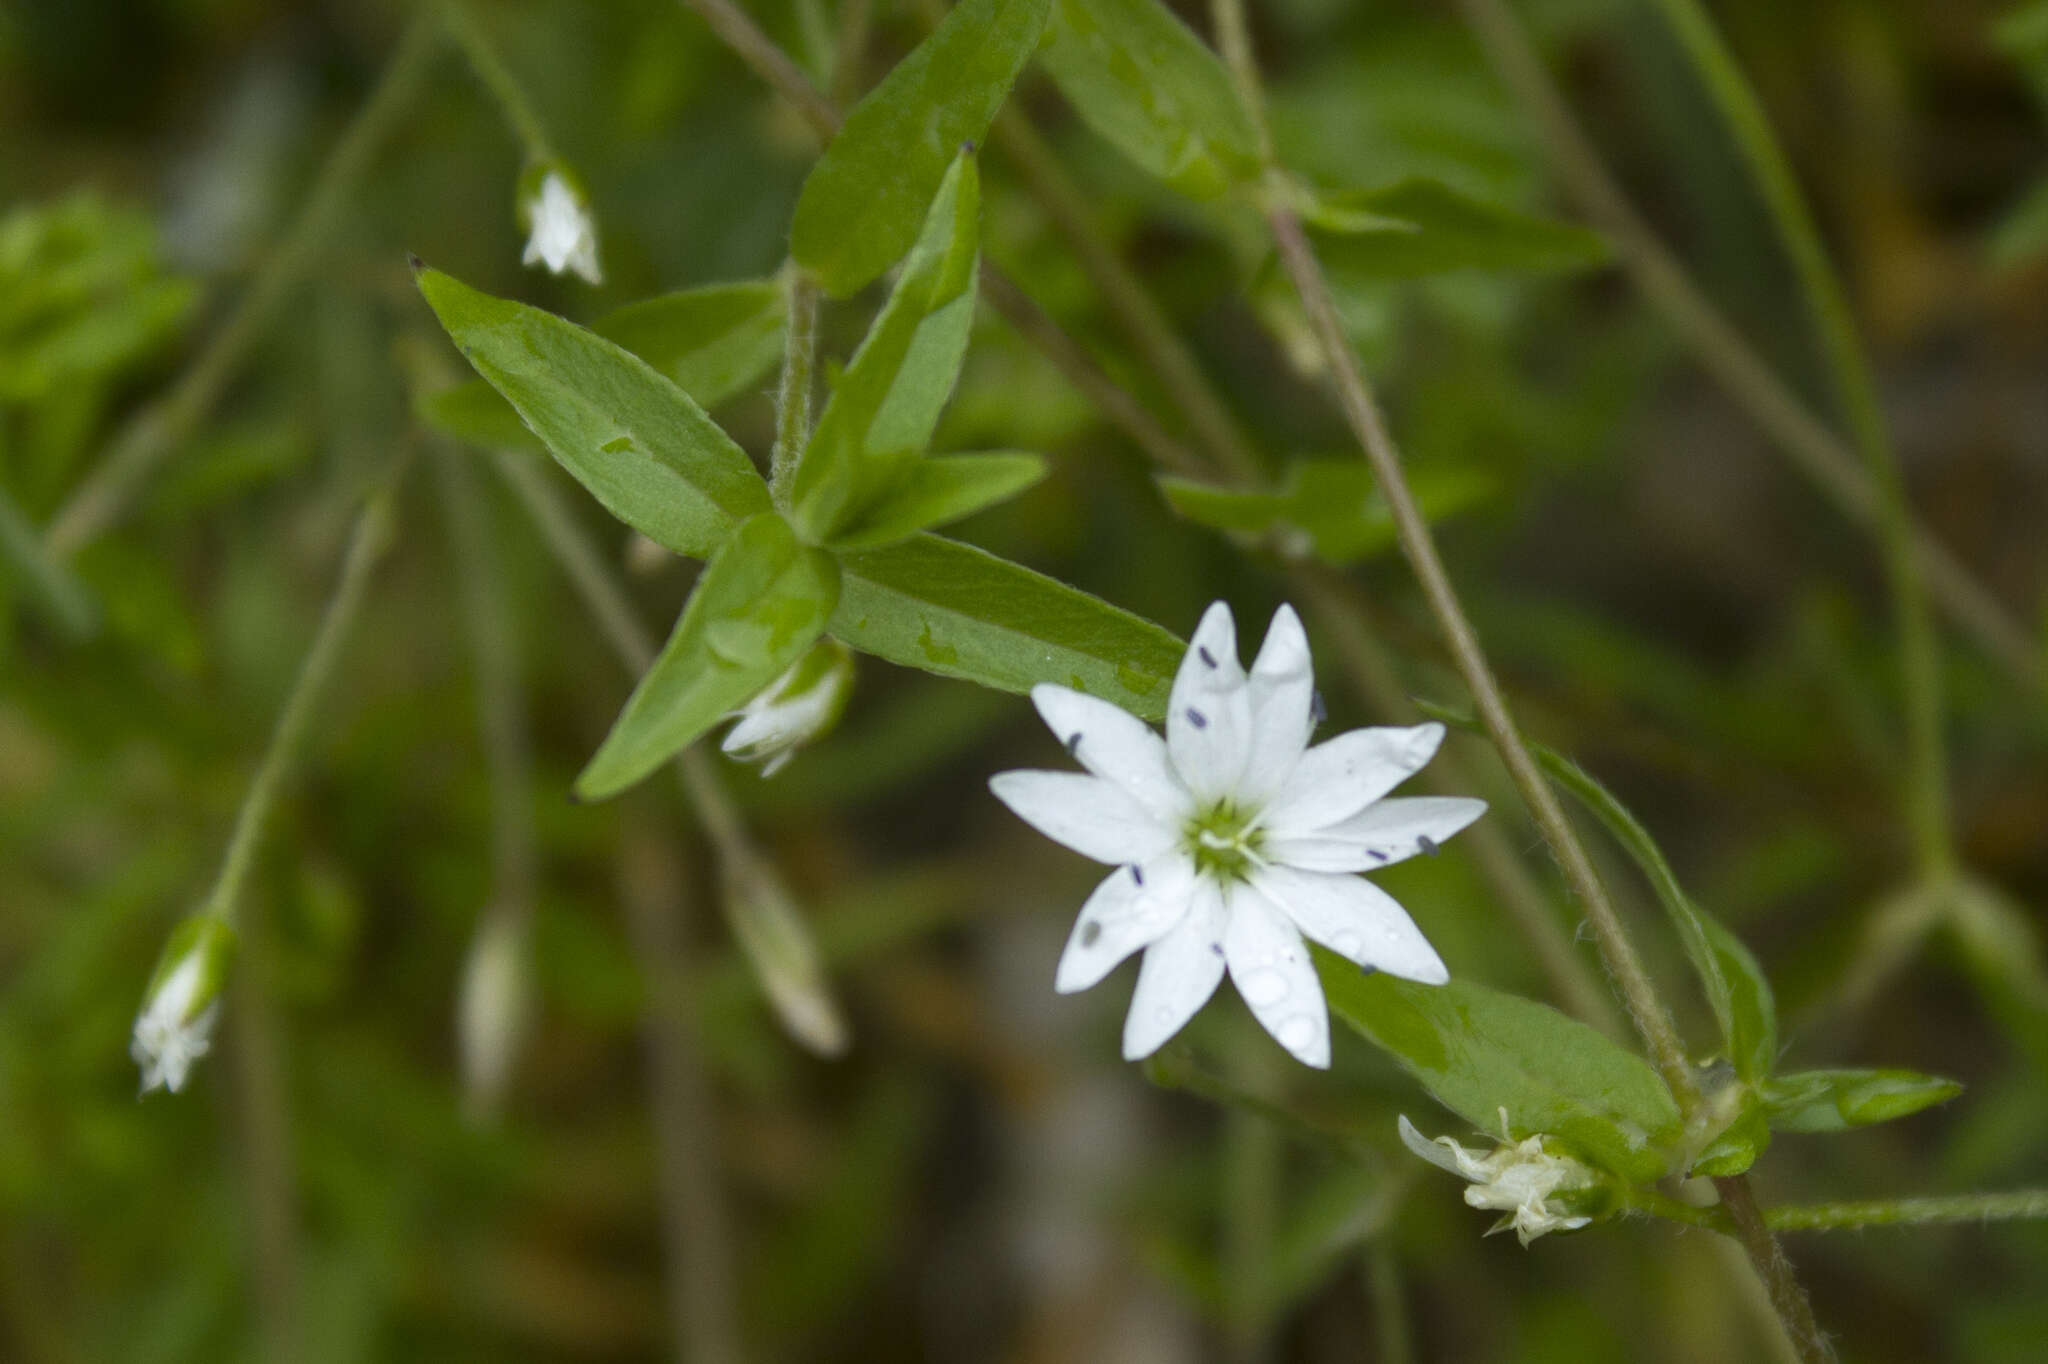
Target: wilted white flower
492, 1007
1233, 838
175, 1026
1520, 1179
795, 709
562, 230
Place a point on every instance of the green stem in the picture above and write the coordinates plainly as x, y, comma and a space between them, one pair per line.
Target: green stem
1418, 545
1919, 650
1390, 1326
1906, 1212
849, 45
793, 399
371, 537
1251, 1190
160, 428
1788, 1297
70, 605
1721, 349
262, 1117
770, 63
497, 78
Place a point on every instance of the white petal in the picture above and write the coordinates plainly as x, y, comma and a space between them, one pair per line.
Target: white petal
1430, 1149
1271, 966
1086, 813
1116, 746
1356, 919
1336, 780
1208, 717
1385, 832
1179, 974
1282, 692
1133, 907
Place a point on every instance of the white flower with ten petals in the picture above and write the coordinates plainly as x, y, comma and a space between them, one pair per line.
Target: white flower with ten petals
1233, 839
563, 230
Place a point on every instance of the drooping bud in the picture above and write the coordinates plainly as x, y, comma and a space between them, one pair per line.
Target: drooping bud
175, 1025
492, 1009
1539, 1190
556, 215
796, 709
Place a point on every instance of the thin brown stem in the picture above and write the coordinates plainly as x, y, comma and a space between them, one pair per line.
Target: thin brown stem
770, 63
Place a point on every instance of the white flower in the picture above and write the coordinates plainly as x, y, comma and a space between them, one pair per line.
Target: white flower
1517, 1179
794, 709
563, 230
175, 1027
1233, 838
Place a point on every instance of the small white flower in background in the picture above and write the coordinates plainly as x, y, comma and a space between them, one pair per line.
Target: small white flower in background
1518, 1179
1233, 838
793, 710
175, 1026
491, 1009
562, 230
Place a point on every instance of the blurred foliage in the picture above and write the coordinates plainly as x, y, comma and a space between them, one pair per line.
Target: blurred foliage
980, 1177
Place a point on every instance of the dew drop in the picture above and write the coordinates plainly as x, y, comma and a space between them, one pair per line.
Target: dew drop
1298, 1033
1347, 944
1264, 988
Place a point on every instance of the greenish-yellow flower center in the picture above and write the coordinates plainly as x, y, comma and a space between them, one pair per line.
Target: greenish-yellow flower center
1223, 842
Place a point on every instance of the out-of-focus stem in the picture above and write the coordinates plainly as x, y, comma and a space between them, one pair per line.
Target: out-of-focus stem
497, 78
700, 1289
263, 1128
740, 33
1721, 349
1390, 1327
157, 431
367, 543
70, 605
1926, 791
1902, 1212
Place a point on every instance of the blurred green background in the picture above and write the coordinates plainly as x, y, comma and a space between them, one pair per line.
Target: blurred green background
980, 1177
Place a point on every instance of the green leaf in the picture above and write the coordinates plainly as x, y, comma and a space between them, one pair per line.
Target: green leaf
862, 203
1450, 231
1331, 505
713, 342
1736, 988
629, 435
63, 595
1144, 82
885, 405
934, 492
1738, 1145
1832, 1100
1480, 1051
760, 603
958, 611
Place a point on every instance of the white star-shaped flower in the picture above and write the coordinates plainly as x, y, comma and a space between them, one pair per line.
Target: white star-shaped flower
1516, 1178
174, 1030
563, 231
1233, 838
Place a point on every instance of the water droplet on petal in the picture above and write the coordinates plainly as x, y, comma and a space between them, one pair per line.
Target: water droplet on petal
1347, 944
1264, 988
1298, 1033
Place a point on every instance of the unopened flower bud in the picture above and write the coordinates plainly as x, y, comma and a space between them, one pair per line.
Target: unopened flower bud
556, 214
796, 709
492, 1009
175, 1025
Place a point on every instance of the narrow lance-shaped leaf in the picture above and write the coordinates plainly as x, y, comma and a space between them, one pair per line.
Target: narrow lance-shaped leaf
762, 600
1331, 504
1735, 985
1831, 1100
1149, 86
958, 611
862, 203
886, 404
1448, 230
628, 434
934, 492
1480, 1051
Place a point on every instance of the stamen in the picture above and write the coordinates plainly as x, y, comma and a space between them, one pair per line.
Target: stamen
1197, 719
1208, 659
1375, 854
1074, 743
1137, 875
1427, 844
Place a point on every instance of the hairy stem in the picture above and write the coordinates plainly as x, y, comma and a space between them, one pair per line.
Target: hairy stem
157, 431
497, 78
793, 398
1788, 1297
371, 537
1901, 1212
1783, 416
1919, 650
